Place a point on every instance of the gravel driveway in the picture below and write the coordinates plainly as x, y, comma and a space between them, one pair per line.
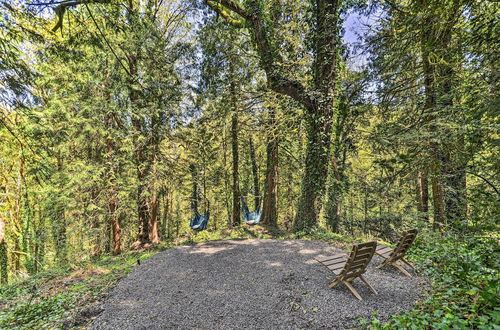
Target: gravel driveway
250, 284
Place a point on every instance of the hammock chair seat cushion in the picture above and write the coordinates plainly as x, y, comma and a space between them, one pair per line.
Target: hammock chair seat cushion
252, 218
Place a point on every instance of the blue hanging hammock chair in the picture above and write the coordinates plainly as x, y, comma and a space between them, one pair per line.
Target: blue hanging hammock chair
199, 222
252, 218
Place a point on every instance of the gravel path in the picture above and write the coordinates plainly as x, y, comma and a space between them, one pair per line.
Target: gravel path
252, 284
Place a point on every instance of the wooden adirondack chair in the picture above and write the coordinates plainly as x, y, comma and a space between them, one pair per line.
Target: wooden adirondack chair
348, 267
395, 256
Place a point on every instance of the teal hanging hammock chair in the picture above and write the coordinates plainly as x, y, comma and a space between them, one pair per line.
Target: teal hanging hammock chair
250, 217
199, 222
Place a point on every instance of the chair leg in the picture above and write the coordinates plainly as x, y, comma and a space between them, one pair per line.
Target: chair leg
382, 264
367, 284
404, 271
407, 263
334, 283
352, 289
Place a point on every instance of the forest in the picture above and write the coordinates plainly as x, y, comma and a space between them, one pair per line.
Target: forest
122, 121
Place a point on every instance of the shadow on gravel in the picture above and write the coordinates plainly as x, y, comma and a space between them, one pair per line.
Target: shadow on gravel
253, 284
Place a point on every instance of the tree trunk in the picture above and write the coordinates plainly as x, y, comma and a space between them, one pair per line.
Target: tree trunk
455, 165
316, 169
60, 230
334, 197
456, 201
153, 235
155, 203
447, 185
4, 274
255, 174
166, 214
423, 195
140, 158
270, 203
115, 221
235, 219
430, 110
194, 193
319, 118
112, 191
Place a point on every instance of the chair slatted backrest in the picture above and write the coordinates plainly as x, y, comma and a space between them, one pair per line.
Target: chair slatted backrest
403, 245
358, 260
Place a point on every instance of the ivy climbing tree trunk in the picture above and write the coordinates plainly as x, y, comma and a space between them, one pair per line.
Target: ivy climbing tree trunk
319, 117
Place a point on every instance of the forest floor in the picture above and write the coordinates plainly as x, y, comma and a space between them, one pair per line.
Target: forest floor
251, 283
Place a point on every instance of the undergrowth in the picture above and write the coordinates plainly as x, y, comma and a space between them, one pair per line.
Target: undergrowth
465, 291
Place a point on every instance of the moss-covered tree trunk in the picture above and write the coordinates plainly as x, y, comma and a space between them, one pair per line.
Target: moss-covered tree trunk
316, 171
320, 113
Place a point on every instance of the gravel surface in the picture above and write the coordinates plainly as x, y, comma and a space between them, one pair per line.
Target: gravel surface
252, 284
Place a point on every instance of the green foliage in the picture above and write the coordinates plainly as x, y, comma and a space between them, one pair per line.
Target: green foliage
464, 274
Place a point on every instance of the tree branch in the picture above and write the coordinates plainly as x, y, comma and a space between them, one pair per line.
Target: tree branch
217, 7
269, 56
60, 9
